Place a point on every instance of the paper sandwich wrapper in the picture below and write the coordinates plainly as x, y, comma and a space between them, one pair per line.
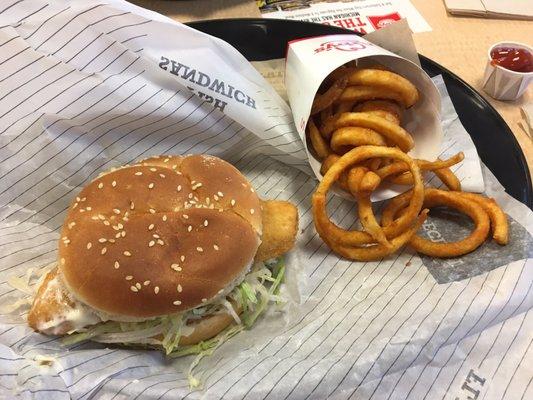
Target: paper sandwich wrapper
310, 61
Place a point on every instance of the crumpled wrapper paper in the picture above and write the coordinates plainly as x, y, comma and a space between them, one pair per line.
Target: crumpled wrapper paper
85, 86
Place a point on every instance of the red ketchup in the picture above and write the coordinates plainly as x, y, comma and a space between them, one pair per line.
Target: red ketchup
518, 60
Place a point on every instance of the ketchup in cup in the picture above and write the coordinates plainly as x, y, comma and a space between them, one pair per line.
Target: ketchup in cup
513, 59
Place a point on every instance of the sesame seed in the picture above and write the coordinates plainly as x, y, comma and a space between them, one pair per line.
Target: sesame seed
62, 261
88, 208
150, 227
138, 285
104, 250
111, 240
189, 228
215, 197
134, 289
185, 216
102, 240
192, 202
232, 202
116, 210
175, 166
206, 222
151, 186
179, 288
129, 277
100, 185
132, 206
101, 217
252, 190
117, 235
175, 267
151, 243
75, 205
164, 217
207, 200
199, 249
64, 237
83, 198
220, 194
153, 169
176, 209
179, 173
152, 211
123, 233
139, 173
159, 241
94, 217
117, 265
196, 186
89, 245
146, 283
156, 290
190, 195
220, 291
127, 253
182, 258
204, 300
78, 199
179, 188
82, 210
252, 211
216, 247
107, 223
166, 159
114, 183
162, 175
211, 206
120, 226
155, 235
176, 303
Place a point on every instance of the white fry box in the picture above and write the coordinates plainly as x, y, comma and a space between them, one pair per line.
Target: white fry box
310, 61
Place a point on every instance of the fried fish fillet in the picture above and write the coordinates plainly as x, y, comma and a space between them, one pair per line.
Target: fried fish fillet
56, 312
280, 226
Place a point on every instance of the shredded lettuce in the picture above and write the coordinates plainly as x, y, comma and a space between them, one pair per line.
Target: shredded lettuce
252, 309
259, 287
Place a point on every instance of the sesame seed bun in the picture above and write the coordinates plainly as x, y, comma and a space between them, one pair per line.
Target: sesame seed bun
160, 237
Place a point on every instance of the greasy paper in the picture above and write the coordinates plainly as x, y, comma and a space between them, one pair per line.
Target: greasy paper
82, 90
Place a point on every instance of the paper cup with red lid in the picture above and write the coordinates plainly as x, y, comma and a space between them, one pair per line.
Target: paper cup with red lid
310, 61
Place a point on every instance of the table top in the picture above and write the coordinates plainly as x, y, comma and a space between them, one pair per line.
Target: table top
457, 43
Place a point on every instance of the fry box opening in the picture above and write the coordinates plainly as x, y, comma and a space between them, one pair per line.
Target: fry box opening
311, 61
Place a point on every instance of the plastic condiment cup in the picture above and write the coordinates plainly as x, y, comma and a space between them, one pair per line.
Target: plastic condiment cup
504, 84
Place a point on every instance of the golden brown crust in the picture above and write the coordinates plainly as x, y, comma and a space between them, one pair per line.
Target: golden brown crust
280, 227
150, 239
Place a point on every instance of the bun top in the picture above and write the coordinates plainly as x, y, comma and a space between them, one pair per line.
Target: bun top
160, 237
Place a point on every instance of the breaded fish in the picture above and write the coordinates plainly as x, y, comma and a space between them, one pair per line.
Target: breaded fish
280, 226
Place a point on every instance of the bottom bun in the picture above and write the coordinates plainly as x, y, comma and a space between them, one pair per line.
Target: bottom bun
208, 327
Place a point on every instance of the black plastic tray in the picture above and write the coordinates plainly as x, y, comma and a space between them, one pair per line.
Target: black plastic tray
264, 39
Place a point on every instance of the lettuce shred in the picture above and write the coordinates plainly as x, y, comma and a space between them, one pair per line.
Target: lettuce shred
259, 287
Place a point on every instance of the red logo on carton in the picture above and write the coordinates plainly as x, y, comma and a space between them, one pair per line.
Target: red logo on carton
379, 21
342, 45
